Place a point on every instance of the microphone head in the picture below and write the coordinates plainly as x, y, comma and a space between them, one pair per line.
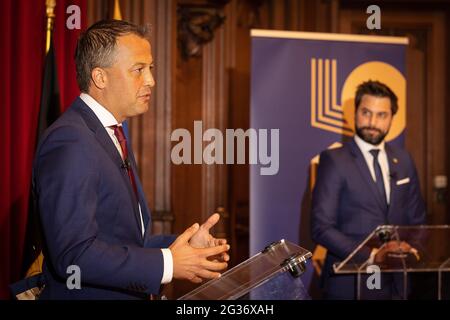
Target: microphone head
126, 164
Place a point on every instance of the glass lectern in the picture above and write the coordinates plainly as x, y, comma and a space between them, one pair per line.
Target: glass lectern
430, 253
273, 273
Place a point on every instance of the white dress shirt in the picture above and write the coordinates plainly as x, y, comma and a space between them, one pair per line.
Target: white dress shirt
365, 148
107, 119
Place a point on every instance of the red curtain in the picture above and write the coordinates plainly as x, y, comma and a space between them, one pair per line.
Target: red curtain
65, 42
22, 39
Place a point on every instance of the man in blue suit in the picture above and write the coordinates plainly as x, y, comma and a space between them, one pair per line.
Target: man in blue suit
364, 184
93, 212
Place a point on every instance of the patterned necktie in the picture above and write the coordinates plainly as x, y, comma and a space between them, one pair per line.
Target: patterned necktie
378, 174
118, 132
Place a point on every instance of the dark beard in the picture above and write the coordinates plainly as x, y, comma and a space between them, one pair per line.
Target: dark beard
374, 140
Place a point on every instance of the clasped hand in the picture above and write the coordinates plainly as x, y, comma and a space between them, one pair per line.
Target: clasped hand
197, 255
395, 247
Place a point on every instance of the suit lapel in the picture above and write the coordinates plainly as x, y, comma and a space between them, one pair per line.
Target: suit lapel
393, 168
365, 173
143, 202
104, 139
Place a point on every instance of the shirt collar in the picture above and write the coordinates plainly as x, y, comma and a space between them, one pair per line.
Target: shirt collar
106, 118
366, 147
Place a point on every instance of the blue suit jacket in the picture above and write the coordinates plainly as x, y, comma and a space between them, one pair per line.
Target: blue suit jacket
346, 207
89, 214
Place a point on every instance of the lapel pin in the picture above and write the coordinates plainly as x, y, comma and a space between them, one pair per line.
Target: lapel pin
395, 160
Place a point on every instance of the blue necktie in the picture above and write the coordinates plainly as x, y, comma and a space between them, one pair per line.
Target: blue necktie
378, 174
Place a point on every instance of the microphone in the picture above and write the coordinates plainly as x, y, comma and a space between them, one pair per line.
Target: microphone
126, 164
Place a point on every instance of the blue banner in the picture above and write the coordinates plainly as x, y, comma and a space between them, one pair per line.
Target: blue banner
304, 84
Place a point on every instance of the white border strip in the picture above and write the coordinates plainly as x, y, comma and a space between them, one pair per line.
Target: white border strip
327, 36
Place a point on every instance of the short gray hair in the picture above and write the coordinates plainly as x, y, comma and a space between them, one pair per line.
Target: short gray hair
95, 47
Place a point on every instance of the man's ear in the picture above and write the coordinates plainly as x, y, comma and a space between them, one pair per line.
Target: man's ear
99, 78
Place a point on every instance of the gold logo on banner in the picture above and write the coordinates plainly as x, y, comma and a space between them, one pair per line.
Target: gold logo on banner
327, 114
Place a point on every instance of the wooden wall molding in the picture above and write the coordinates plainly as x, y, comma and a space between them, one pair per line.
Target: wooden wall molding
197, 23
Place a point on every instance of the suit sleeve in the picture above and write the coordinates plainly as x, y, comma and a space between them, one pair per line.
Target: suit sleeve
325, 207
159, 241
67, 177
416, 206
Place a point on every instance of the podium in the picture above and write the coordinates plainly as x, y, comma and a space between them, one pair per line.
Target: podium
272, 274
431, 254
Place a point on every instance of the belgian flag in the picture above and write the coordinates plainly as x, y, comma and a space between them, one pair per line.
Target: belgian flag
49, 111
50, 97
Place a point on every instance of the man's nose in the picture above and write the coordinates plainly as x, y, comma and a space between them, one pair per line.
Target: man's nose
148, 79
373, 121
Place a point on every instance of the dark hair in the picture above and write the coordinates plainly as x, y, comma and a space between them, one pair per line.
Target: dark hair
95, 47
377, 89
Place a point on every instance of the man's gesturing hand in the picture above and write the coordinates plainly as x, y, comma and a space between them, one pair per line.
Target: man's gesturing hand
203, 239
191, 263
